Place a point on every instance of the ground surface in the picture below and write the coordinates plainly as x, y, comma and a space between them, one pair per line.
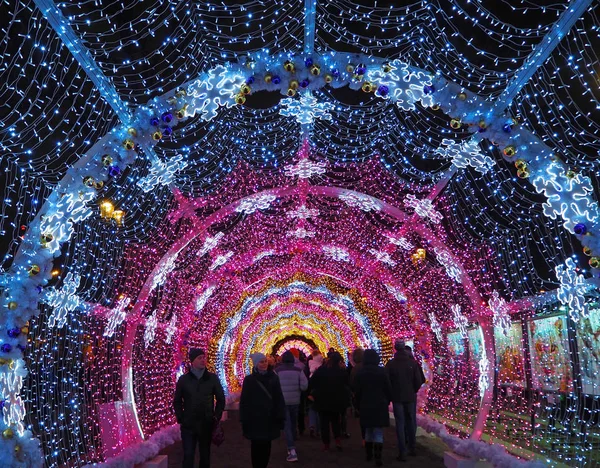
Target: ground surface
235, 451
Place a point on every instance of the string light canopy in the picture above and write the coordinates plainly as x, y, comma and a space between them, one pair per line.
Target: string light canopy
336, 173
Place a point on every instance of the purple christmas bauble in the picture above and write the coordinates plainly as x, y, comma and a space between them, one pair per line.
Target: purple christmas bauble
580, 229
304, 83
308, 62
6, 348
167, 117
360, 70
114, 171
154, 121
167, 131
383, 90
507, 128
335, 72
13, 332
250, 80
276, 80
428, 89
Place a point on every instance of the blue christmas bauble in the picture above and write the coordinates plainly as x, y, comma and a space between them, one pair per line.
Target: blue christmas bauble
580, 229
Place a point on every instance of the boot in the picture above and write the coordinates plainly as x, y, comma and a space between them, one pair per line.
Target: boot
369, 450
378, 452
338, 444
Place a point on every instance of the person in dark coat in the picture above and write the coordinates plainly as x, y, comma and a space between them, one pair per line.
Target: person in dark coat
406, 381
330, 390
411, 355
357, 357
262, 410
372, 394
195, 409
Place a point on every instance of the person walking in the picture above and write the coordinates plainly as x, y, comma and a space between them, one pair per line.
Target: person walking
195, 409
262, 410
357, 357
313, 414
406, 380
293, 383
373, 393
330, 390
420, 368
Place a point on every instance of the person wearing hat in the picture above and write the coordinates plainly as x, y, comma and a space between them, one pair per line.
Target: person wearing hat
195, 409
406, 380
262, 410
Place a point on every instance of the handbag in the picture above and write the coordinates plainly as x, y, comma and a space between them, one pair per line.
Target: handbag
218, 434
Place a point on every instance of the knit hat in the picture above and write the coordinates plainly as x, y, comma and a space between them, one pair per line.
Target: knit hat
256, 358
399, 345
195, 352
287, 357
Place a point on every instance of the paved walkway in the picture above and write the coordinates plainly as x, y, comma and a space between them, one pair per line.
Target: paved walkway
235, 451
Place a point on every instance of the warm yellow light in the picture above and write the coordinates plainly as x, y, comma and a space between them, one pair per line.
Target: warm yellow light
55, 273
118, 216
106, 209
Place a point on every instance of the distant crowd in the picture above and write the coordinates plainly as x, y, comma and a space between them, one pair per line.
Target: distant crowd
281, 392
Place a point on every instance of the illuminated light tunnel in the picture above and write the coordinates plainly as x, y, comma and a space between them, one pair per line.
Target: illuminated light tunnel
182, 177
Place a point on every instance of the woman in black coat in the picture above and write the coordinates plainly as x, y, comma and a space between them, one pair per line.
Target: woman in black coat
330, 391
373, 393
262, 410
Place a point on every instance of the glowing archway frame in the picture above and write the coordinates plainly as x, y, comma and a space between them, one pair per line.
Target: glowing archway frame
200, 227
570, 195
291, 297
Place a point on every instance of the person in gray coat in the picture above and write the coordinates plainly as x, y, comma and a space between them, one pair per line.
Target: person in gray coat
293, 382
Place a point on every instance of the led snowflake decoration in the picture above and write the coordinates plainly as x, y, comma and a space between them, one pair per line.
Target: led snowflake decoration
400, 242
572, 289
306, 109
261, 255
161, 276
501, 318
63, 300
171, 329
382, 257
150, 331
435, 326
466, 153
484, 381
460, 321
568, 197
453, 269
210, 243
116, 316
305, 169
401, 298
303, 212
203, 298
220, 260
336, 253
301, 233
363, 202
253, 203
162, 173
424, 208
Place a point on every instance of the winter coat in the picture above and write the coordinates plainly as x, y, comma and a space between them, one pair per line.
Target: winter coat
262, 415
330, 388
194, 401
315, 363
372, 394
293, 382
405, 378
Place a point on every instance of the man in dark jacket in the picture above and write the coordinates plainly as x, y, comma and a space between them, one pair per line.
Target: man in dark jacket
330, 389
194, 404
373, 393
406, 381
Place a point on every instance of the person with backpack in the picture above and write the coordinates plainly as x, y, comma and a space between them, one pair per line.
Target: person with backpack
293, 383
